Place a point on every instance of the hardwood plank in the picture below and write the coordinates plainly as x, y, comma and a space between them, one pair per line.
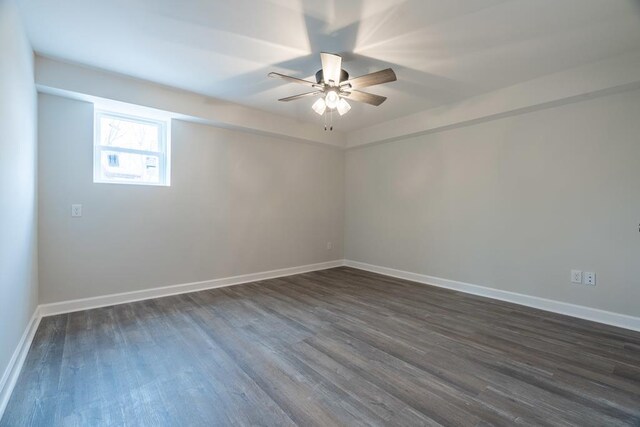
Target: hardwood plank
332, 347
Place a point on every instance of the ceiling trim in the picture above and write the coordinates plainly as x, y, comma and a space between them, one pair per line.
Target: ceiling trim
616, 74
613, 75
81, 82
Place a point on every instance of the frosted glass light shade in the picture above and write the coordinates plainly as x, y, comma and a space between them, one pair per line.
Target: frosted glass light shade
343, 107
331, 99
319, 106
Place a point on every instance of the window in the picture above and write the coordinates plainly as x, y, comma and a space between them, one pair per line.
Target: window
130, 150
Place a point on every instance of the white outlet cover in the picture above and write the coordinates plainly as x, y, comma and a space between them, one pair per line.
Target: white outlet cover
576, 276
589, 278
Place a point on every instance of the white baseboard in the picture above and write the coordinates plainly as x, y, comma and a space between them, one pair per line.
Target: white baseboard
11, 373
125, 297
582, 312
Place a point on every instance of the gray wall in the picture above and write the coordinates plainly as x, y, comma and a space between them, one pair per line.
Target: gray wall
238, 203
18, 262
512, 204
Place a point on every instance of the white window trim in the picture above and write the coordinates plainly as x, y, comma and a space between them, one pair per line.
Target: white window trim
164, 144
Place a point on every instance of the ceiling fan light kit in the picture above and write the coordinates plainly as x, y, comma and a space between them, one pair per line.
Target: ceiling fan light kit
331, 98
334, 85
319, 106
343, 107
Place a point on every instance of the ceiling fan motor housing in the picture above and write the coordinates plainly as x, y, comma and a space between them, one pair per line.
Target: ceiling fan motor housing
344, 76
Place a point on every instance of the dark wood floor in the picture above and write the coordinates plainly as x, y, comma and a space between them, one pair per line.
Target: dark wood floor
335, 347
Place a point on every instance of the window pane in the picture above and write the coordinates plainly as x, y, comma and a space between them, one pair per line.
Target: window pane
116, 132
129, 167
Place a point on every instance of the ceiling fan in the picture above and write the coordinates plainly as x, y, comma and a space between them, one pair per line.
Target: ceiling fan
334, 86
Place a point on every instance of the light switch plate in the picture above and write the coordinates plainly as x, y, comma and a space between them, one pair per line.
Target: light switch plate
576, 276
76, 210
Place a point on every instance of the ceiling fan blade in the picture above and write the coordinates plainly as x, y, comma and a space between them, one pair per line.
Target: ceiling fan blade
295, 80
367, 98
302, 95
331, 67
379, 77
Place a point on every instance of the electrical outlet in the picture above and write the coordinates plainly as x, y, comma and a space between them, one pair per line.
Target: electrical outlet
576, 276
589, 278
76, 210
329, 246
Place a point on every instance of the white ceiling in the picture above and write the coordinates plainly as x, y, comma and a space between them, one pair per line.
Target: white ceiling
442, 51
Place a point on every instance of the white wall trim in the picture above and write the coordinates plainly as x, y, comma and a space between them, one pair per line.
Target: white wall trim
11, 373
574, 310
579, 311
164, 291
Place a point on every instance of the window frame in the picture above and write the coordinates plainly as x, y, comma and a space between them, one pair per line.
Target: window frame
164, 153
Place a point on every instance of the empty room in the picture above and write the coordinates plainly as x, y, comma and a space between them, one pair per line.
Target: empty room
320, 213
